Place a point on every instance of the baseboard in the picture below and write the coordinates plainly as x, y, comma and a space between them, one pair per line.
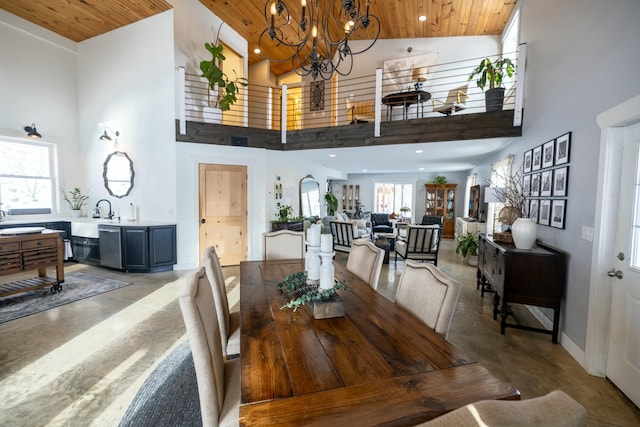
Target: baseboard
565, 340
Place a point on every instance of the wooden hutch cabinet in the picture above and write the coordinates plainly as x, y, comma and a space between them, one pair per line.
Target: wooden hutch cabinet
440, 200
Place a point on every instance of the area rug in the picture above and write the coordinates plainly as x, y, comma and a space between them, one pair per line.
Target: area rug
76, 286
169, 396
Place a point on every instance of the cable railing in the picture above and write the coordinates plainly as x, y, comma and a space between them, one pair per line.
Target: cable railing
377, 97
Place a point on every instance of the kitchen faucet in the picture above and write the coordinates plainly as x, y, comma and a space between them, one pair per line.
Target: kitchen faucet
105, 200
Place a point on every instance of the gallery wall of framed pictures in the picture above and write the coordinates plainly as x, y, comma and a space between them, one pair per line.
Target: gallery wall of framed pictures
545, 180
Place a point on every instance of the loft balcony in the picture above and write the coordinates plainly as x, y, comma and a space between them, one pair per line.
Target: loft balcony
386, 107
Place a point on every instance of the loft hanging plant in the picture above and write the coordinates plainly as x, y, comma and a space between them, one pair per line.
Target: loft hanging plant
224, 89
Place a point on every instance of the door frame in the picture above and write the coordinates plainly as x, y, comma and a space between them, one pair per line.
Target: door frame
611, 123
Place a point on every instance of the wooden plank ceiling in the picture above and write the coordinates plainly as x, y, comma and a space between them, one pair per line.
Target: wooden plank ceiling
80, 20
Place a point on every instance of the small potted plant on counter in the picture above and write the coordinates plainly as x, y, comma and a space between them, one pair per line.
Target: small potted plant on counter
76, 201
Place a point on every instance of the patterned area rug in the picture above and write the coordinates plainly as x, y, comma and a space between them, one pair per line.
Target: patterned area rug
169, 396
76, 286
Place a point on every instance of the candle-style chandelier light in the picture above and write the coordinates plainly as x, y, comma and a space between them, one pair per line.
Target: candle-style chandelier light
319, 45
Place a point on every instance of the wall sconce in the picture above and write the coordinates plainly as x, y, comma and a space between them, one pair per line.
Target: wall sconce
105, 137
31, 131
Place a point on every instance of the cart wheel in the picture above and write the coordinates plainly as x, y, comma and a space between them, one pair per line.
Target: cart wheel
54, 289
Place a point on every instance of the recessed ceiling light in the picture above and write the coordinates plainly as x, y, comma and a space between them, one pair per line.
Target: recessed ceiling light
364, 170
421, 169
418, 151
256, 50
332, 155
422, 18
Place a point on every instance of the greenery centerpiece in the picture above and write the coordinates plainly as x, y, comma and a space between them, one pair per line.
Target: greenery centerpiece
492, 73
295, 287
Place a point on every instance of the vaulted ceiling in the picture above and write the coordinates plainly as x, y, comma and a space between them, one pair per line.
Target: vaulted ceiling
80, 20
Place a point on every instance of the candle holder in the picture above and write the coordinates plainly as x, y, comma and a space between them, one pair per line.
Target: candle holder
312, 264
327, 280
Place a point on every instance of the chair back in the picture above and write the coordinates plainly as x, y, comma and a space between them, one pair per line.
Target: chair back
423, 239
343, 234
201, 321
432, 220
380, 219
365, 261
215, 276
555, 409
428, 293
283, 244
458, 96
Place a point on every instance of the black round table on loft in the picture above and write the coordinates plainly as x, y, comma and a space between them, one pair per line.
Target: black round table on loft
405, 100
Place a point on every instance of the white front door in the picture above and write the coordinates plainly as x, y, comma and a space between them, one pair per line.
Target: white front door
623, 360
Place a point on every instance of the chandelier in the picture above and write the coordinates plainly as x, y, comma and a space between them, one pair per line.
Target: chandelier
317, 44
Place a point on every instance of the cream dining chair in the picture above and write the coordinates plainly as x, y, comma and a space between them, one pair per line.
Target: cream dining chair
229, 322
555, 409
365, 261
428, 293
218, 381
283, 244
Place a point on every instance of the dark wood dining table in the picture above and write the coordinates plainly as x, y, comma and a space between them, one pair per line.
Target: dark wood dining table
376, 365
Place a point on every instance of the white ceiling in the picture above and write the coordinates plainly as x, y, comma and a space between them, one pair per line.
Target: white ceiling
436, 157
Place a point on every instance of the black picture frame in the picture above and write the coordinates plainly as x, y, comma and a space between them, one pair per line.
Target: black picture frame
533, 210
526, 164
546, 183
526, 185
544, 216
536, 162
558, 209
547, 153
560, 181
563, 148
535, 185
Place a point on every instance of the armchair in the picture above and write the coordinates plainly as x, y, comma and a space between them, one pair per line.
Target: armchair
456, 101
422, 243
380, 223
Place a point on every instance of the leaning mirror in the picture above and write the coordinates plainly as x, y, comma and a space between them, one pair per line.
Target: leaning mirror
309, 197
118, 174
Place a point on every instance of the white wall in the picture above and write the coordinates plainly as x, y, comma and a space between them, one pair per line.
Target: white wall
581, 60
126, 82
38, 74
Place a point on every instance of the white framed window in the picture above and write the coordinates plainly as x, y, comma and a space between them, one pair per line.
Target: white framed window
391, 197
27, 177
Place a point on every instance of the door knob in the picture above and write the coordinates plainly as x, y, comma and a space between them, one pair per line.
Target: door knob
202, 221
615, 273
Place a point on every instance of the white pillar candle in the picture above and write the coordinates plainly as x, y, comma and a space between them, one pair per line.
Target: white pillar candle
315, 235
326, 243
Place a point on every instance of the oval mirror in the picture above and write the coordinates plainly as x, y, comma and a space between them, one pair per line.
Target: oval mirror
118, 174
309, 197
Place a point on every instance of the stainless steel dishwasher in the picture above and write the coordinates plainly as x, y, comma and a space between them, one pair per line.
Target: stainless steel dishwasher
110, 246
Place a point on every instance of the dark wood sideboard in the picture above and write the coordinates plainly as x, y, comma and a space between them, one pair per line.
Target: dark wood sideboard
534, 277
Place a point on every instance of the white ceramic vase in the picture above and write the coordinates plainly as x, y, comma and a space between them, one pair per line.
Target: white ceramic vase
76, 213
524, 231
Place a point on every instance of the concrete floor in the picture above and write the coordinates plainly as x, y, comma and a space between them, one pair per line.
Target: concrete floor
82, 363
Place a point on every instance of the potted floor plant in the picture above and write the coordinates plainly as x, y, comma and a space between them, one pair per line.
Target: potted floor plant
468, 245
331, 201
223, 89
492, 73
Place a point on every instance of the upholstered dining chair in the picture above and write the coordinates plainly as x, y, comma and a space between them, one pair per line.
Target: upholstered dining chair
229, 322
428, 293
283, 244
555, 409
365, 261
218, 381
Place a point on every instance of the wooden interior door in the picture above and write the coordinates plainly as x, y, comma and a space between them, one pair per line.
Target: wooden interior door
223, 211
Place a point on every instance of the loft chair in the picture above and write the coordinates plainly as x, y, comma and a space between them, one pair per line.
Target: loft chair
360, 111
456, 101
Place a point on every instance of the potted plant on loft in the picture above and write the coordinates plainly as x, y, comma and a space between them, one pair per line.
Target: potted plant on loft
76, 201
468, 245
331, 201
492, 73
223, 91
